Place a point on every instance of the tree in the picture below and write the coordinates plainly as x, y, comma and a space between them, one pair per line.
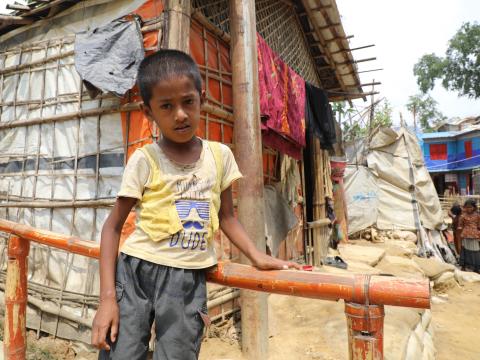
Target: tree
459, 70
358, 128
424, 110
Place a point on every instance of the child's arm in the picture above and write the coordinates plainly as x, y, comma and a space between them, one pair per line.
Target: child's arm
107, 316
236, 233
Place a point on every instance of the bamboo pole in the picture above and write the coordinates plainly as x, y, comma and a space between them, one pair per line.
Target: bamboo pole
6, 20
248, 149
212, 109
178, 17
59, 204
198, 16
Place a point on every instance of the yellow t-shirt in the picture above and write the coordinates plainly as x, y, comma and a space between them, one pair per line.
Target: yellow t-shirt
192, 186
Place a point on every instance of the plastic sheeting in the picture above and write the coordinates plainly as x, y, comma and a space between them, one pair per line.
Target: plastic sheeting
108, 57
77, 159
380, 193
279, 218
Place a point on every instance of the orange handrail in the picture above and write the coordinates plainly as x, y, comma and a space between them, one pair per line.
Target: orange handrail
361, 289
363, 294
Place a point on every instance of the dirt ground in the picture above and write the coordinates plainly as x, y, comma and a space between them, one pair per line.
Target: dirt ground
297, 326
300, 328
304, 329
457, 324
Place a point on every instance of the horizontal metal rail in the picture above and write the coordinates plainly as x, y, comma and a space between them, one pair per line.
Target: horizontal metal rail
363, 294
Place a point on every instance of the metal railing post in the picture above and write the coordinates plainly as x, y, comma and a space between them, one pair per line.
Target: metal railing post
365, 331
15, 332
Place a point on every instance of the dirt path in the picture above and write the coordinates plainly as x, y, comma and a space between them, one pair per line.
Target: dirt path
302, 329
457, 324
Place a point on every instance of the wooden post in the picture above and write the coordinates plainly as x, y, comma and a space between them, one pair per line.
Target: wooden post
320, 235
248, 149
15, 332
178, 26
365, 331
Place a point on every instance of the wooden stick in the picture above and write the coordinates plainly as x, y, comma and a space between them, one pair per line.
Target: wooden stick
11, 69
18, 7
6, 20
71, 115
355, 61
198, 16
352, 49
47, 204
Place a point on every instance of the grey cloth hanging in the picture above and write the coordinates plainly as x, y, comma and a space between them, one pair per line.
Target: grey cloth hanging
107, 58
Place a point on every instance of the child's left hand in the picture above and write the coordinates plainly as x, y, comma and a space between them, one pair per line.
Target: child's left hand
265, 262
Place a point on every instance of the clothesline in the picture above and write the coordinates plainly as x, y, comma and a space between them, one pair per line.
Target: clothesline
453, 162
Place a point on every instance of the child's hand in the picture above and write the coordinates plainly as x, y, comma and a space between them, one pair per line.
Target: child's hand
106, 318
265, 262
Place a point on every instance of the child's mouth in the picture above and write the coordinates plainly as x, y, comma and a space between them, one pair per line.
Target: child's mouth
183, 128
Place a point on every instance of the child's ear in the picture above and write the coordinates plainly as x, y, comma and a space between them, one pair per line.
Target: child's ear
146, 111
203, 97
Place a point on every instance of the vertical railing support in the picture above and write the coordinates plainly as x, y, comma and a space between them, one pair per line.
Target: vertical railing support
365, 331
15, 339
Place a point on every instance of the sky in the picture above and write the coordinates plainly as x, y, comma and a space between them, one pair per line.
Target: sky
403, 31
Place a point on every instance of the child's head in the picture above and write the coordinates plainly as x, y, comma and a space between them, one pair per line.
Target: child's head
171, 88
470, 206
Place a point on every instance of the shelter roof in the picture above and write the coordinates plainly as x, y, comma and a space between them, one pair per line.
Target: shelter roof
449, 134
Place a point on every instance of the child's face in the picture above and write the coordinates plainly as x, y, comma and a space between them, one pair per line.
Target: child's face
175, 108
469, 209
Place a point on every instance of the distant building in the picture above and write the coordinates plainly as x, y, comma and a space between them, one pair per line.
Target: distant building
457, 124
451, 157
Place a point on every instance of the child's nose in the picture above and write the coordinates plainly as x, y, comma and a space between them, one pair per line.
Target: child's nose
181, 114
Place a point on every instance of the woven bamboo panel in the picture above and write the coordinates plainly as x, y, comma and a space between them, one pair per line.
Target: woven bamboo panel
278, 24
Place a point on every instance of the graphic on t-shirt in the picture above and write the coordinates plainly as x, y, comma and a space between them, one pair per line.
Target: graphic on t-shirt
193, 213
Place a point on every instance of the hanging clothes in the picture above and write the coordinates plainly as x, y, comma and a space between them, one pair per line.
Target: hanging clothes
319, 116
282, 102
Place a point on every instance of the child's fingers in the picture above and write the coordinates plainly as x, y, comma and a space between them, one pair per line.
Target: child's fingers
103, 338
294, 266
114, 330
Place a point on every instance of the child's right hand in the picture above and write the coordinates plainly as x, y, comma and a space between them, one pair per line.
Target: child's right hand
106, 318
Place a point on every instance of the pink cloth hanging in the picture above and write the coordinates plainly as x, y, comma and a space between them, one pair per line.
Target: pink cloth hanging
282, 102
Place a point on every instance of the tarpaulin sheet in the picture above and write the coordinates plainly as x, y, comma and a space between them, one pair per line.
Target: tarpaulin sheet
108, 57
58, 160
389, 170
361, 192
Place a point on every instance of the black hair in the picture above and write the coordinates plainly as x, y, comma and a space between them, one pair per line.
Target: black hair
470, 202
165, 64
456, 210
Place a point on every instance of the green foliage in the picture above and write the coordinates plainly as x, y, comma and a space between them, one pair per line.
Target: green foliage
424, 109
357, 129
459, 70
382, 115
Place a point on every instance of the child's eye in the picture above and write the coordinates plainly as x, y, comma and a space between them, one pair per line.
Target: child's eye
189, 101
165, 106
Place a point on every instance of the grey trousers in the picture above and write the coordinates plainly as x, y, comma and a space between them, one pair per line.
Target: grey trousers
174, 298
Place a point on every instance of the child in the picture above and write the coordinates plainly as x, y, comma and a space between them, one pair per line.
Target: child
455, 213
468, 226
181, 190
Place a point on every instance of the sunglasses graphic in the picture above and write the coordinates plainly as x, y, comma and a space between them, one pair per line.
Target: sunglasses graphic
184, 208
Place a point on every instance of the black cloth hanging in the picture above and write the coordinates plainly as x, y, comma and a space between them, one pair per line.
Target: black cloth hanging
319, 116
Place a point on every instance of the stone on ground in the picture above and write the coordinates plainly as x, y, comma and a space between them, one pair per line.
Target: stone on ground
401, 267
365, 254
432, 267
464, 277
445, 281
405, 236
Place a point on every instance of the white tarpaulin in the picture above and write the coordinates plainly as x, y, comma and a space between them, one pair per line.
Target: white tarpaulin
395, 164
77, 157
